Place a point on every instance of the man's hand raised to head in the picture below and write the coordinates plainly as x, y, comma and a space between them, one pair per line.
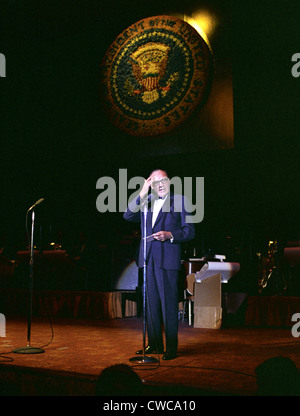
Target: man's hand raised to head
145, 188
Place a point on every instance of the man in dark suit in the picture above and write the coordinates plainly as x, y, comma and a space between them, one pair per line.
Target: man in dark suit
166, 229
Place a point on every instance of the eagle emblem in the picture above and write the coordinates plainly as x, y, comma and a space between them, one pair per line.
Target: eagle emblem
149, 63
155, 75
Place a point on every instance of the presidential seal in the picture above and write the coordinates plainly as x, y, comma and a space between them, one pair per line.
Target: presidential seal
155, 75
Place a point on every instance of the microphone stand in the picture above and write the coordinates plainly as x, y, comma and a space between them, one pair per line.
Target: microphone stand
144, 359
29, 349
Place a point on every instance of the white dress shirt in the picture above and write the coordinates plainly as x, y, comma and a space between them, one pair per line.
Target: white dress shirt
158, 203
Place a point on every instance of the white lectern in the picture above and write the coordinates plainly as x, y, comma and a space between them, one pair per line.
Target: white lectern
208, 292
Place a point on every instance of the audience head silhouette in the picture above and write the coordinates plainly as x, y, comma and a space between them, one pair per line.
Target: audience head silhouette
278, 376
119, 380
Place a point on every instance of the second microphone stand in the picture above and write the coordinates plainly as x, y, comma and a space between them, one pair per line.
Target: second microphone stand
29, 349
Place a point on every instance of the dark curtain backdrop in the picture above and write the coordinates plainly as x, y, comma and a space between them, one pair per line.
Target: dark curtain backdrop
56, 142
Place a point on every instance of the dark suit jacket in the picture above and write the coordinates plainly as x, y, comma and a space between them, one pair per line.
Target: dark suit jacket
172, 217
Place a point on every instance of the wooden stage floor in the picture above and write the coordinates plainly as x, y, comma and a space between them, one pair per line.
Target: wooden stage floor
210, 362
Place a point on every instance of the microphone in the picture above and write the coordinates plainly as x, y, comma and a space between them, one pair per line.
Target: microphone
39, 201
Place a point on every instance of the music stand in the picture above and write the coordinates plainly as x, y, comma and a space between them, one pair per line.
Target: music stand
144, 359
29, 349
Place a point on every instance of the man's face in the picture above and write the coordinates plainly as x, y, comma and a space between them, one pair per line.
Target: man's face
160, 183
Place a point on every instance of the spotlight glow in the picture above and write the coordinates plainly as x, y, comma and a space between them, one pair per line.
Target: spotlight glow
204, 22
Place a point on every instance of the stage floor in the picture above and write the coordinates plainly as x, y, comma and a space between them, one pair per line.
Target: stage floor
210, 362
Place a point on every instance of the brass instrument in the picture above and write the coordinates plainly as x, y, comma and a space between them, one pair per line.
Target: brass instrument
269, 267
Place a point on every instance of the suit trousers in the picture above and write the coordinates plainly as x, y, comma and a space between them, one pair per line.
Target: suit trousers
162, 305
